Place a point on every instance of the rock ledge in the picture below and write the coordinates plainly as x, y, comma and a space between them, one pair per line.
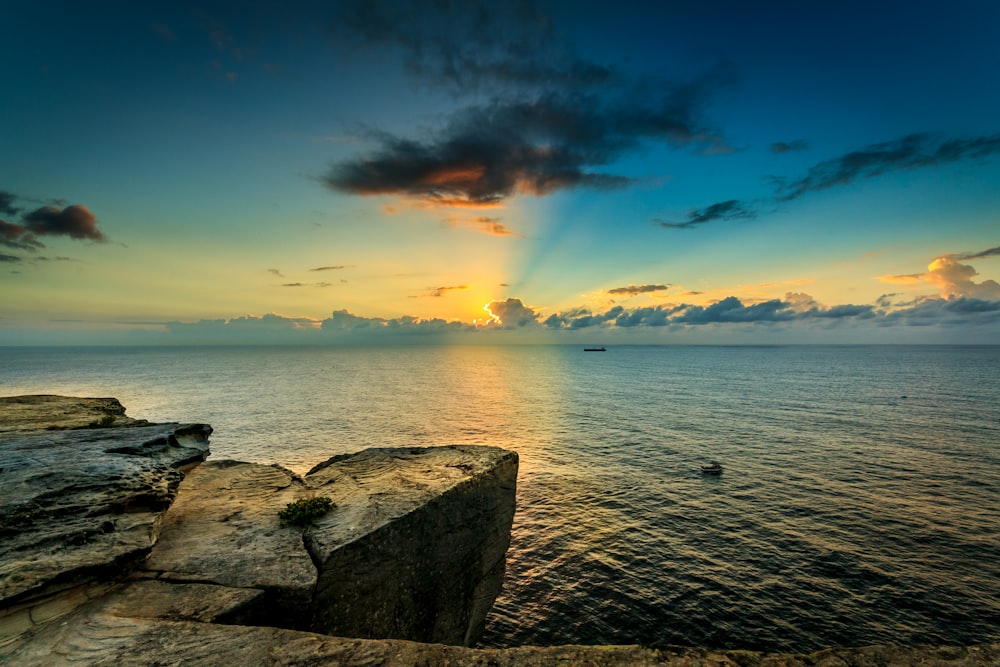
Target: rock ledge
109, 555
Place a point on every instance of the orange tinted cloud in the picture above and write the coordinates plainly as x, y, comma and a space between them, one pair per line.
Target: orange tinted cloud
951, 278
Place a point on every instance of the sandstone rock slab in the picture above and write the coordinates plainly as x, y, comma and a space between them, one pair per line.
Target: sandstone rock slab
56, 413
94, 636
414, 548
84, 503
223, 529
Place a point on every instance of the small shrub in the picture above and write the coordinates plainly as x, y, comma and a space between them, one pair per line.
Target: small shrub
106, 421
302, 512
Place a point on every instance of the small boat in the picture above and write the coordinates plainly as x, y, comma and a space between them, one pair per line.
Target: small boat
713, 468
594, 349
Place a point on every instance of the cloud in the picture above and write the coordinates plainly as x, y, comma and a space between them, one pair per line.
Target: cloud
494, 227
990, 252
728, 311
953, 313
269, 328
796, 317
488, 154
276, 272
779, 147
75, 221
307, 284
331, 268
731, 309
18, 237
7, 203
512, 313
466, 45
952, 278
555, 121
582, 318
344, 325
10, 259
657, 316
913, 151
485, 224
732, 209
632, 290
441, 291
903, 279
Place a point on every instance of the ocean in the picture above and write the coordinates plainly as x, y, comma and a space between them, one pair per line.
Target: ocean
859, 503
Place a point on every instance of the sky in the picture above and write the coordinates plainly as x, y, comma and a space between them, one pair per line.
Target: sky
674, 172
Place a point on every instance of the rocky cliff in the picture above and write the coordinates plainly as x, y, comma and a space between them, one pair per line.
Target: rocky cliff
414, 547
110, 555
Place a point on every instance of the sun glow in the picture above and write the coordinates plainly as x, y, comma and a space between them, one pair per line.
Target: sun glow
492, 319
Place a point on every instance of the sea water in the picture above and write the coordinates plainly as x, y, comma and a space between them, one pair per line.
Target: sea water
859, 503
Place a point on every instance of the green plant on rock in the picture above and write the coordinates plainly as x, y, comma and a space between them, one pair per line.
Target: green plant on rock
302, 512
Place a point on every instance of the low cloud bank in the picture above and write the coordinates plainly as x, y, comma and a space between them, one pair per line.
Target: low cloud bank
795, 318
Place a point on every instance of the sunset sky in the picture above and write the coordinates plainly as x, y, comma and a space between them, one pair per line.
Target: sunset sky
629, 172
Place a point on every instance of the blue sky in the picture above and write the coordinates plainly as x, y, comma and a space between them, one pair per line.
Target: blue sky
672, 172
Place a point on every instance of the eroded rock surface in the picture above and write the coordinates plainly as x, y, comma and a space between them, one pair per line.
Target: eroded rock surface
56, 413
224, 530
80, 504
109, 636
414, 547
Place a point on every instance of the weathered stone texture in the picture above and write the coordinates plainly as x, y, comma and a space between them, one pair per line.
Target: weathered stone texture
56, 413
223, 529
414, 548
81, 503
417, 545
108, 638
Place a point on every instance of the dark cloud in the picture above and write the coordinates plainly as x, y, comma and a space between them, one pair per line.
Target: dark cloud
975, 255
955, 312
7, 203
10, 259
789, 146
330, 268
489, 153
590, 320
650, 317
75, 221
914, 151
466, 45
731, 310
441, 291
732, 209
795, 307
276, 272
632, 290
554, 121
18, 237
307, 284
